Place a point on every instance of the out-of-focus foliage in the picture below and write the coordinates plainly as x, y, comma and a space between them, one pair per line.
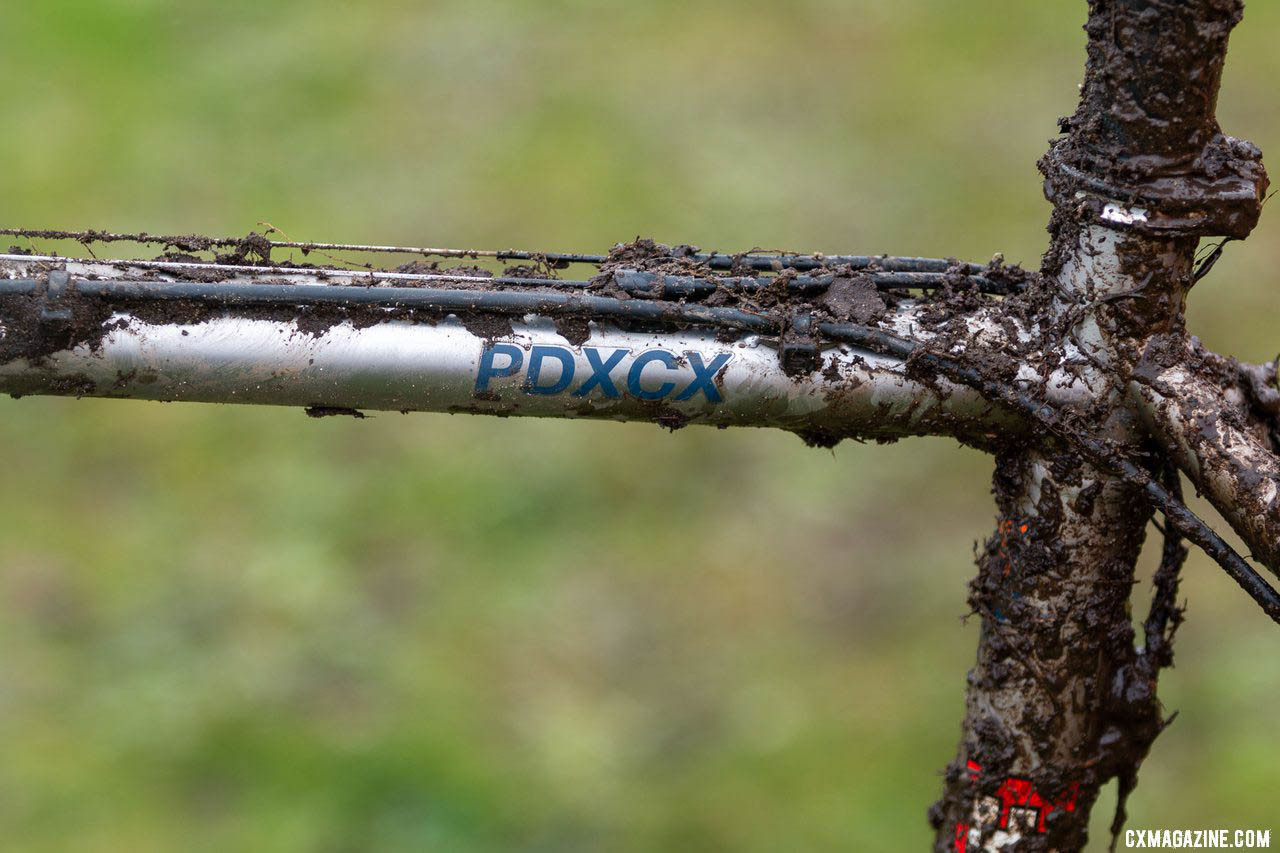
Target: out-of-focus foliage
240, 629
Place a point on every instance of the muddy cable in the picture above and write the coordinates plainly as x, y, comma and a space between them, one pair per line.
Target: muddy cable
716, 260
1178, 517
1165, 616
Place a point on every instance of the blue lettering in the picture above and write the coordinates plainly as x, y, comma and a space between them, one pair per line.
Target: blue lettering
487, 371
704, 377
536, 355
602, 363
600, 372
638, 366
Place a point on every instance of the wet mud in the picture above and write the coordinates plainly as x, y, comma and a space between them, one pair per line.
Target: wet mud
851, 295
1061, 698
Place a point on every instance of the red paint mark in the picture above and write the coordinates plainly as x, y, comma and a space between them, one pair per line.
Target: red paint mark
1021, 793
1007, 529
1067, 799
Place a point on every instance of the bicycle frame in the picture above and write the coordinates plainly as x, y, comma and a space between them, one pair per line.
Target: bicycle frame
456, 362
1093, 367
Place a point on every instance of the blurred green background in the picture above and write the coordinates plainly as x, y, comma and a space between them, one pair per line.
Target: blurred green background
240, 629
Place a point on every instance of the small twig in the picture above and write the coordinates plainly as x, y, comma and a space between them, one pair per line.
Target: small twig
716, 260
290, 243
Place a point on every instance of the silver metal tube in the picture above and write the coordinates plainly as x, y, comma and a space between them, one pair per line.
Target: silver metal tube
1205, 426
528, 368
669, 378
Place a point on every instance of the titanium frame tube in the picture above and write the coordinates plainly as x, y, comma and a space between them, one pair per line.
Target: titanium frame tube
669, 377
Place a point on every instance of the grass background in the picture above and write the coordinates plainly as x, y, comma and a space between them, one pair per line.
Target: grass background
239, 629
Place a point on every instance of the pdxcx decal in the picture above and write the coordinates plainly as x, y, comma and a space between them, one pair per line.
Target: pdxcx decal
651, 374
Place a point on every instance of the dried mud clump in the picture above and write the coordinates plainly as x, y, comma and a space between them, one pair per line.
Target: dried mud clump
854, 298
332, 412
1145, 129
252, 249
647, 255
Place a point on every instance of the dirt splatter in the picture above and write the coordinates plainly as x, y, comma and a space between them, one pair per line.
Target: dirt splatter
1145, 129
575, 330
252, 249
1074, 701
333, 411
488, 326
434, 268
1057, 656
855, 298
